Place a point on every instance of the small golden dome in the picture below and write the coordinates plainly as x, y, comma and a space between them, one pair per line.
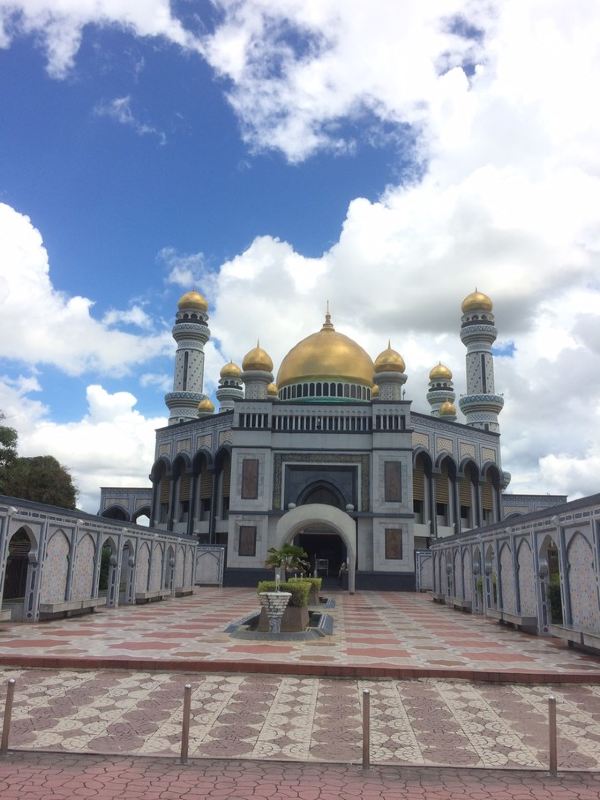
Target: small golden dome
389, 361
440, 373
206, 406
193, 300
447, 409
375, 391
257, 359
476, 301
230, 370
272, 390
326, 354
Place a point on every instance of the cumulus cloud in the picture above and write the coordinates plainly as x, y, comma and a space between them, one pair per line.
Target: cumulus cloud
186, 270
119, 109
111, 445
60, 26
66, 335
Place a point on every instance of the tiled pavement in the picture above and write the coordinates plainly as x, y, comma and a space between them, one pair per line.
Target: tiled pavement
48, 777
418, 722
373, 631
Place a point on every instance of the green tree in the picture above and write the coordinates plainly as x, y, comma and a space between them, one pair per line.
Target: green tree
8, 452
42, 479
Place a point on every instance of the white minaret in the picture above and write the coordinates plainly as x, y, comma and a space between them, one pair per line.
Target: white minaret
191, 333
257, 373
230, 387
481, 405
441, 388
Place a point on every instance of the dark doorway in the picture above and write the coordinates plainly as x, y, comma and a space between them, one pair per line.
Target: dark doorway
17, 562
327, 547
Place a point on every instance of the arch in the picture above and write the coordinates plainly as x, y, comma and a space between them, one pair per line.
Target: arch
156, 567
468, 461
442, 457
550, 580
323, 492
107, 574
116, 511
526, 580
182, 479
506, 579
160, 475
585, 612
143, 511
317, 513
126, 580
202, 458
56, 568
491, 489
169, 569
142, 567
17, 573
467, 568
82, 587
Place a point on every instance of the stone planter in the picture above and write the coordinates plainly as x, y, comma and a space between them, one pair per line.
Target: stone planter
273, 605
294, 620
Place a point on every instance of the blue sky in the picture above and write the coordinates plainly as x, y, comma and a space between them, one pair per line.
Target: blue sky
275, 155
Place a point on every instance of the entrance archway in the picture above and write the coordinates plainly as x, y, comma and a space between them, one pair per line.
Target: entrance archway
16, 574
325, 549
314, 517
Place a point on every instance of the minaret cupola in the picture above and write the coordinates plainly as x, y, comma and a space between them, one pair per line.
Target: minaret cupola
481, 405
230, 386
441, 389
390, 374
191, 333
257, 373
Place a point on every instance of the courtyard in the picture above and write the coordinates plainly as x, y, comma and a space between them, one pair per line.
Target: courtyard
447, 689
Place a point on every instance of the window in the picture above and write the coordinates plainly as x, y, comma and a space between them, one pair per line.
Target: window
393, 543
247, 541
393, 481
250, 479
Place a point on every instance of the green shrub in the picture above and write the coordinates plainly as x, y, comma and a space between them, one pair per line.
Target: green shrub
314, 582
299, 590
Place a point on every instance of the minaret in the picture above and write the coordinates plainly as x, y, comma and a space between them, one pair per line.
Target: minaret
389, 374
441, 388
257, 373
230, 387
481, 405
191, 333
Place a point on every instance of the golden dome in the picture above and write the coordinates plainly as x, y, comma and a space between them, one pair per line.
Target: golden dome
257, 359
375, 391
440, 373
272, 390
206, 406
476, 301
447, 409
389, 361
193, 300
326, 354
230, 370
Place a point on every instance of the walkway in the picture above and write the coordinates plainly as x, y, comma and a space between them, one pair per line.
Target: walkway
377, 634
426, 722
49, 777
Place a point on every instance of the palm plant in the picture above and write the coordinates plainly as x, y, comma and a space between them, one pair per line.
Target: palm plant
289, 557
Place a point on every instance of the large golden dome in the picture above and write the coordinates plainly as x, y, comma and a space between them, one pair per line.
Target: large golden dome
326, 354
257, 359
389, 361
440, 373
476, 301
193, 300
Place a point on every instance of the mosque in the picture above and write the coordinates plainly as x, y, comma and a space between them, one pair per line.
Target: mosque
329, 455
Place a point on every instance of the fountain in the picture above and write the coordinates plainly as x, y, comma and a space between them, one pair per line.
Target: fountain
274, 604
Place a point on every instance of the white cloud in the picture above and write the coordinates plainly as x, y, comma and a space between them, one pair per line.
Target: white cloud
119, 109
60, 25
111, 445
161, 381
132, 316
66, 334
186, 270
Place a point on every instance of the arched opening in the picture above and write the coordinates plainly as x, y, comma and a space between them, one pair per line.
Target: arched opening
422, 493
491, 579
162, 492
125, 582
108, 572
182, 480
445, 510
17, 570
550, 582
116, 512
467, 495
203, 499
322, 492
142, 516
326, 533
169, 571
491, 487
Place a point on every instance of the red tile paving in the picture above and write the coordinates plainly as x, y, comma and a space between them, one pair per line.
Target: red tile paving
51, 777
375, 633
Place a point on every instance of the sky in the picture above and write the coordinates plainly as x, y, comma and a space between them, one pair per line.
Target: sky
274, 154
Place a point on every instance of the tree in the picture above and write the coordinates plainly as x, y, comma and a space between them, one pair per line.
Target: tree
42, 479
8, 452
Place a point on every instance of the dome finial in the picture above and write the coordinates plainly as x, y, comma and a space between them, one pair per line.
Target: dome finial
327, 325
